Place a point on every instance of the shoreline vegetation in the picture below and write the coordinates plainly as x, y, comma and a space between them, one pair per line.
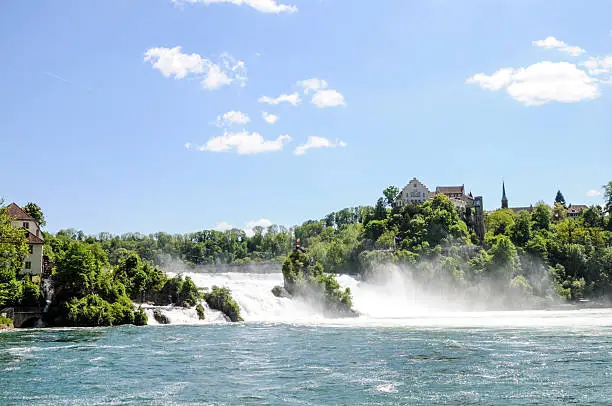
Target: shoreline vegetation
524, 260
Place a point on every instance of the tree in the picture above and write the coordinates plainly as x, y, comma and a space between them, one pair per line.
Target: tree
608, 197
541, 217
380, 212
520, 231
560, 199
36, 212
500, 221
13, 250
390, 194
559, 212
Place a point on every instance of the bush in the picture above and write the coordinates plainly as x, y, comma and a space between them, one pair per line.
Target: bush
160, 317
279, 291
188, 294
140, 317
5, 322
304, 277
93, 311
200, 310
90, 311
30, 295
221, 299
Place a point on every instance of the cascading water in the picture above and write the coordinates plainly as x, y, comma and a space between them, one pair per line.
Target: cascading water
395, 300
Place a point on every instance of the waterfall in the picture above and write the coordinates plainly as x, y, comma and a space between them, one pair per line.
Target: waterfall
395, 300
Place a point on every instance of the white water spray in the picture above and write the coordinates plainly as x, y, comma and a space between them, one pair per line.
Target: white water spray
395, 301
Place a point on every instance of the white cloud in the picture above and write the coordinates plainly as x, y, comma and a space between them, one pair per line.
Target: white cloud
496, 81
327, 98
598, 66
244, 143
593, 193
187, 145
262, 222
554, 43
223, 226
232, 117
293, 98
541, 83
312, 84
318, 142
248, 229
264, 6
172, 62
269, 118
215, 78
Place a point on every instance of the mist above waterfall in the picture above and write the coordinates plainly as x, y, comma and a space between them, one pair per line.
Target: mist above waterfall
394, 298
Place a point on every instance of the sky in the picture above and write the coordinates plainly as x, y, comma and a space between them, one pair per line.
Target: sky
180, 115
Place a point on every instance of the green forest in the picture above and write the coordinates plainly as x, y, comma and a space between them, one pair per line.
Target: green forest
540, 254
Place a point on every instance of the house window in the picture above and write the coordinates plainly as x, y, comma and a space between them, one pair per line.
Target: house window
31, 248
28, 265
26, 225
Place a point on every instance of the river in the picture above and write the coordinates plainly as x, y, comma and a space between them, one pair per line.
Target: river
285, 353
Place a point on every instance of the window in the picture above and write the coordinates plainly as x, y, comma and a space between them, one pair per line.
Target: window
31, 248
26, 225
28, 265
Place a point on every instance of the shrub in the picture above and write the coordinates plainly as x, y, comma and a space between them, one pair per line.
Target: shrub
200, 310
140, 317
188, 294
160, 317
221, 299
304, 277
5, 322
93, 311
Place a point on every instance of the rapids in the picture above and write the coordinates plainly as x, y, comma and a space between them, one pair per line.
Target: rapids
395, 302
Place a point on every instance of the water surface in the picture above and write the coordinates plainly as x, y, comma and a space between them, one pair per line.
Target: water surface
544, 362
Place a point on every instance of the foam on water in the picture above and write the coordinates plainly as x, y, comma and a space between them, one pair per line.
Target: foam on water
393, 302
181, 315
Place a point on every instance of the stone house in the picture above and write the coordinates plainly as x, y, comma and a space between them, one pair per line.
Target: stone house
413, 192
33, 263
574, 210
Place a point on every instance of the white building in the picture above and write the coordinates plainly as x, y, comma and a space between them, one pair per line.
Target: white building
413, 192
33, 263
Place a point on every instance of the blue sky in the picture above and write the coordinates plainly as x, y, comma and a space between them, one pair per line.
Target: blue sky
98, 106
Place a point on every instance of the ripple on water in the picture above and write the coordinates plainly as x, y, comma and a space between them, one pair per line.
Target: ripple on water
264, 364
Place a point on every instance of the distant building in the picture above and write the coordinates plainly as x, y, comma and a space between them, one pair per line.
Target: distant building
33, 263
413, 192
457, 195
516, 210
574, 210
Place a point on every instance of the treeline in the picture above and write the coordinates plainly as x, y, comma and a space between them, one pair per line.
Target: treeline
542, 252
210, 247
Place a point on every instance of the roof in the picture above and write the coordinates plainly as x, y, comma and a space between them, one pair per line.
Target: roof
17, 213
520, 209
504, 198
577, 208
450, 189
32, 239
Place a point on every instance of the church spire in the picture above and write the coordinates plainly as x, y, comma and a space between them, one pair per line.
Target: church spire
504, 201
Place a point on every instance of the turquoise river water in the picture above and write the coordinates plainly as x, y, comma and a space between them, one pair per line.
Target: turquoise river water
282, 364
404, 349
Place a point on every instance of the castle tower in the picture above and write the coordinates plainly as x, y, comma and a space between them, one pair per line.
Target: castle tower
504, 200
